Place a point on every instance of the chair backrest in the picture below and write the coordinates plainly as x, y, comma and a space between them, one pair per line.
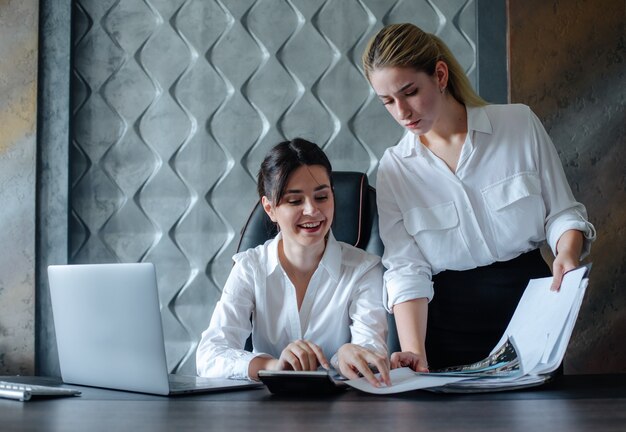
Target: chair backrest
355, 223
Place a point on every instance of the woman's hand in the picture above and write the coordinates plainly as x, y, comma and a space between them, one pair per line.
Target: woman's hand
562, 264
301, 355
417, 362
568, 249
354, 359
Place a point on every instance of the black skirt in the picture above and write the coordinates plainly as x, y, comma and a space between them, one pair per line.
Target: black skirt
471, 309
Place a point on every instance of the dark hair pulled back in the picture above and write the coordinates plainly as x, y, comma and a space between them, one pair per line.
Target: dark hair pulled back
282, 160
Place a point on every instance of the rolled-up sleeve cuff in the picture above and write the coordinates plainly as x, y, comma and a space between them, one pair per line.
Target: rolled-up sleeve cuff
405, 290
574, 221
242, 364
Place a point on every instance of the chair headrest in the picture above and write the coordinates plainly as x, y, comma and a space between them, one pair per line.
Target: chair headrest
351, 205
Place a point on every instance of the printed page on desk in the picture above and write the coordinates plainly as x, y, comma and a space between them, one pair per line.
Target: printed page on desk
403, 380
532, 346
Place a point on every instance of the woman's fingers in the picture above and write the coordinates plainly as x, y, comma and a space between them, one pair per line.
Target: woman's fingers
375, 360
382, 364
557, 278
566, 260
417, 362
304, 355
354, 359
319, 355
289, 360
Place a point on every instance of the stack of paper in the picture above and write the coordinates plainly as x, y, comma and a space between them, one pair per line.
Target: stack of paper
531, 348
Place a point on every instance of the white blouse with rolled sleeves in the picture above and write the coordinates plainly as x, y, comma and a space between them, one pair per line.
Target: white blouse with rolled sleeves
342, 304
508, 196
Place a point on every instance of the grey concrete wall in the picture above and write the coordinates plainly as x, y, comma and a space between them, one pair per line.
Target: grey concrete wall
18, 116
567, 61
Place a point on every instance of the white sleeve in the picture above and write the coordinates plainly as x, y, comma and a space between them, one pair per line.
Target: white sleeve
408, 274
368, 326
563, 212
221, 349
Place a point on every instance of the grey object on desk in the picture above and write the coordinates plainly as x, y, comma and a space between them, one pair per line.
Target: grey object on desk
24, 392
109, 333
302, 383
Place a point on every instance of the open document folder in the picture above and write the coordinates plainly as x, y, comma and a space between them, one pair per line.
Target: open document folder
531, 348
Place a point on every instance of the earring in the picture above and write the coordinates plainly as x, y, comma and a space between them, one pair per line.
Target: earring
442, 89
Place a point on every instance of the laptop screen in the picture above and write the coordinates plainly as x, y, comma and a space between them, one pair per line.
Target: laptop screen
108, 326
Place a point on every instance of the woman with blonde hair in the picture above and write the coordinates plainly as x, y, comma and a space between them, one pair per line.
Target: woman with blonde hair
465, 200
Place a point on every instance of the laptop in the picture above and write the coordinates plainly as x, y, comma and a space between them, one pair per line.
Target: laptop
109, 332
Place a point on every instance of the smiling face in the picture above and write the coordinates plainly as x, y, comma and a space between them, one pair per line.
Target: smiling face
414, 99
305, 211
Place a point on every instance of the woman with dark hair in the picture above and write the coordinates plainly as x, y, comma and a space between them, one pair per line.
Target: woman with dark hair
465, 200
310, 297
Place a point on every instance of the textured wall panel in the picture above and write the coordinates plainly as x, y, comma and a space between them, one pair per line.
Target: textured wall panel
175, 103
577, 86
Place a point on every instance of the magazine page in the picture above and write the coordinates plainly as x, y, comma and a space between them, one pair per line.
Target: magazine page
502, 362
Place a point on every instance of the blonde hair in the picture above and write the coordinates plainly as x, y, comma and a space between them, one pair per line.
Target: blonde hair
406, 45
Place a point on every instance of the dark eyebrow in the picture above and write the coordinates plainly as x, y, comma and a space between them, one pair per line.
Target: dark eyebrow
297, 191
403, 88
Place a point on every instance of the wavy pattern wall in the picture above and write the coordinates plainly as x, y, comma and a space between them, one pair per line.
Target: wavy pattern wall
175, 103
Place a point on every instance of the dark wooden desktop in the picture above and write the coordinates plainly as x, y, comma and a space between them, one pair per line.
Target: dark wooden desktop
570, 403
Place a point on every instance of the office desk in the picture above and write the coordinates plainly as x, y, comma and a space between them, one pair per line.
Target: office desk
570, 403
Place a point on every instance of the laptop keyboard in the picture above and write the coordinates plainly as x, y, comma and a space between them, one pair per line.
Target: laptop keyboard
24, 392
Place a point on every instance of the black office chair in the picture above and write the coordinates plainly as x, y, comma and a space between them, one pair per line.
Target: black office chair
355, 223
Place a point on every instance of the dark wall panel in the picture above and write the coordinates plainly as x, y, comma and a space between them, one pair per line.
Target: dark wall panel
567, 63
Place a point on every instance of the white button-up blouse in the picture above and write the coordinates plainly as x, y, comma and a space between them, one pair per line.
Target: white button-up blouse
343, 303
508, 196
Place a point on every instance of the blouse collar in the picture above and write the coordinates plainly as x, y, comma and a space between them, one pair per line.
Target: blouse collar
477, 120
331, 260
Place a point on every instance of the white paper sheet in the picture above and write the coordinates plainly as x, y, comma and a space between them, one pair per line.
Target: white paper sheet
403, 380
541, 318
